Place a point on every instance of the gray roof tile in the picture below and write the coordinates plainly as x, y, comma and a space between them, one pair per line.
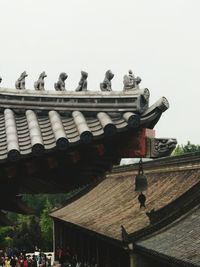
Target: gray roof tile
28, 132
179, 240
11, 131
26, 129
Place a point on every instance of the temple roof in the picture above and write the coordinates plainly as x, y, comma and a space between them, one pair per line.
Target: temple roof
32, 122
114, 203
178, 243
55, 141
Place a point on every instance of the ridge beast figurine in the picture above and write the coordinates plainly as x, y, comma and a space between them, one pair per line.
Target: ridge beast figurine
39, 84
131, 82
82, 85
20, 83
106, 84
60, 84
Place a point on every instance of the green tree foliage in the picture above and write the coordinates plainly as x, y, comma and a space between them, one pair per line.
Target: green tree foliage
188, 148
46, 226
27, 233
5, 236
38, 202
36, 230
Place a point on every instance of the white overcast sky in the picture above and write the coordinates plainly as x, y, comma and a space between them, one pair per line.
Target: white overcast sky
159, 40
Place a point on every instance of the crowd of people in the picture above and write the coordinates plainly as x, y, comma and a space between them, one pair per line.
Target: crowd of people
15, 258
66, 258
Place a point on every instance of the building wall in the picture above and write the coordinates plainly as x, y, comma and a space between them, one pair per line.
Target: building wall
89, 247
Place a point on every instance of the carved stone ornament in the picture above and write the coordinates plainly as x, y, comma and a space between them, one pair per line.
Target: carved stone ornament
60, 85
162, 147
106, 84
82, 85
20, 83
131, 82
39, 84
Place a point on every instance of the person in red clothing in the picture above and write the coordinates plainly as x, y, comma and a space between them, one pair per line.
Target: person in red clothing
25, 262
61, 255
21, 260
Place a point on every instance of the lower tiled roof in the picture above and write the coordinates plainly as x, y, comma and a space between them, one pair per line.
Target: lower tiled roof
178, 241
114, 202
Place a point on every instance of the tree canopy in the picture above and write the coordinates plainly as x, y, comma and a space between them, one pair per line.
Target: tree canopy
34, 230
188, 148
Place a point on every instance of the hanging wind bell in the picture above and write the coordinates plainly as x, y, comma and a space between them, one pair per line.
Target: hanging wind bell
140, 179
141, 184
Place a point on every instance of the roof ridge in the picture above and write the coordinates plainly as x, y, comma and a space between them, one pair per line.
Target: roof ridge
164, 161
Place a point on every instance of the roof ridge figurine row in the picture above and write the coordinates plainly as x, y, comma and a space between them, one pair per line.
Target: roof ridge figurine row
130, 82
